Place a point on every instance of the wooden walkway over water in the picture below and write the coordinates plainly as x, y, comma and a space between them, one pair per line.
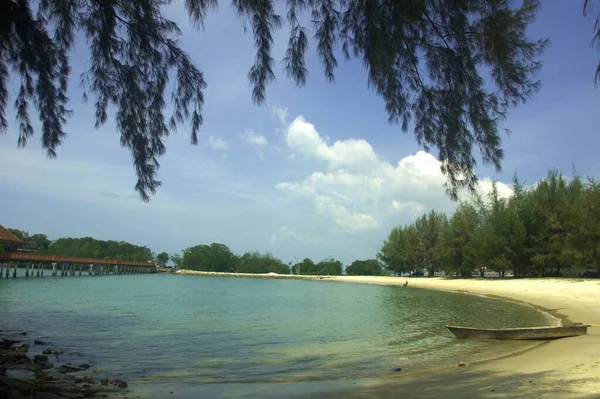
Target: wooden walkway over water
35, 264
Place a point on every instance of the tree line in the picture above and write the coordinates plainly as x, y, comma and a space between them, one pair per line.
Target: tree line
549, 229
219, 258
215, 257
85, 247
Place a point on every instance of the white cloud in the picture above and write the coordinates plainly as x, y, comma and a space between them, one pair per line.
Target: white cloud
286, 236
281, 114
255, 140
217, 143
358, 190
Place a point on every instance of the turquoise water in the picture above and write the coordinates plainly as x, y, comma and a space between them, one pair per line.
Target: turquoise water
230, 337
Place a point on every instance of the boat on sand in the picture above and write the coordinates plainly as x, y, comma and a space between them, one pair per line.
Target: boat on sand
534, 333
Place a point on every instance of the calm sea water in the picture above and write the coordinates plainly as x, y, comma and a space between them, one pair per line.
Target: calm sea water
229, 337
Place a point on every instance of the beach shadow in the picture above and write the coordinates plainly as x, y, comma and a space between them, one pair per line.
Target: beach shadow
474, 384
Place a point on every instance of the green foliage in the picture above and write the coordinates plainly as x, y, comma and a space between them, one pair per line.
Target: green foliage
255, 262
162, 259
326, 267
460, 248
210, 258
88, 247
369, 267
415, 247
35, 242
177, 260
393, 253
551, 229
425, 58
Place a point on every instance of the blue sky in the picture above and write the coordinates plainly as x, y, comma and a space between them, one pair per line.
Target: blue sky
316, 172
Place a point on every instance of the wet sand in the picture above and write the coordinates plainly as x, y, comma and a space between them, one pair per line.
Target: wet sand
565, 368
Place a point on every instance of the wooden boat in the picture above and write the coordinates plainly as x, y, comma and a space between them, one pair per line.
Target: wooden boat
519, 333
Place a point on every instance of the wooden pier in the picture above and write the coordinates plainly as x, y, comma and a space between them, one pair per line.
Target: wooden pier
35, 264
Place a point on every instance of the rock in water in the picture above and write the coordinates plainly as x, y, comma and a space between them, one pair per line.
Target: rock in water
37, 342
65, 368
50, 351
45, 395
40, 358
120, 383
7, 343
22, 349
462, 364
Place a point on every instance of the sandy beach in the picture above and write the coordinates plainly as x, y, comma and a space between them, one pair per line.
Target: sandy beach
565, 368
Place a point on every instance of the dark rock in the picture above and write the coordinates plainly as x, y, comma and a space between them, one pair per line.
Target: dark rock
88, 393
27, 366
37, 342
45, 395
65, 368
14, 358
398, 369
85, 366
22, 349
15, 394
13, 383
47, 365
88, 379
40, 358
50, 351
104, 381
7, 343
23, 333
119, 383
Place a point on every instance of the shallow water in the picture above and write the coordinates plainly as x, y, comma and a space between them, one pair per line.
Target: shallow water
230, 337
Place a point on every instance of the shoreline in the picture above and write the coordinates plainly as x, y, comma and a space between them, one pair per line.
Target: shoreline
564, 368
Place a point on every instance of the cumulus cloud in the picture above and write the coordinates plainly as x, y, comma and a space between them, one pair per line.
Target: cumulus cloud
360, 191
254, 139
217, 143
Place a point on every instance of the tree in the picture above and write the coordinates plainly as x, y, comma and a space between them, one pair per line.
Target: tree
211, 258
40, 241
460, 248
393, 252
177, 260
88, 247
326, 267
429, 228
255, 262
307, 267
425, 58
162, 259
369, 267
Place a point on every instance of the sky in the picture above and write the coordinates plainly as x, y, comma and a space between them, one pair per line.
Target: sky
316, 172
